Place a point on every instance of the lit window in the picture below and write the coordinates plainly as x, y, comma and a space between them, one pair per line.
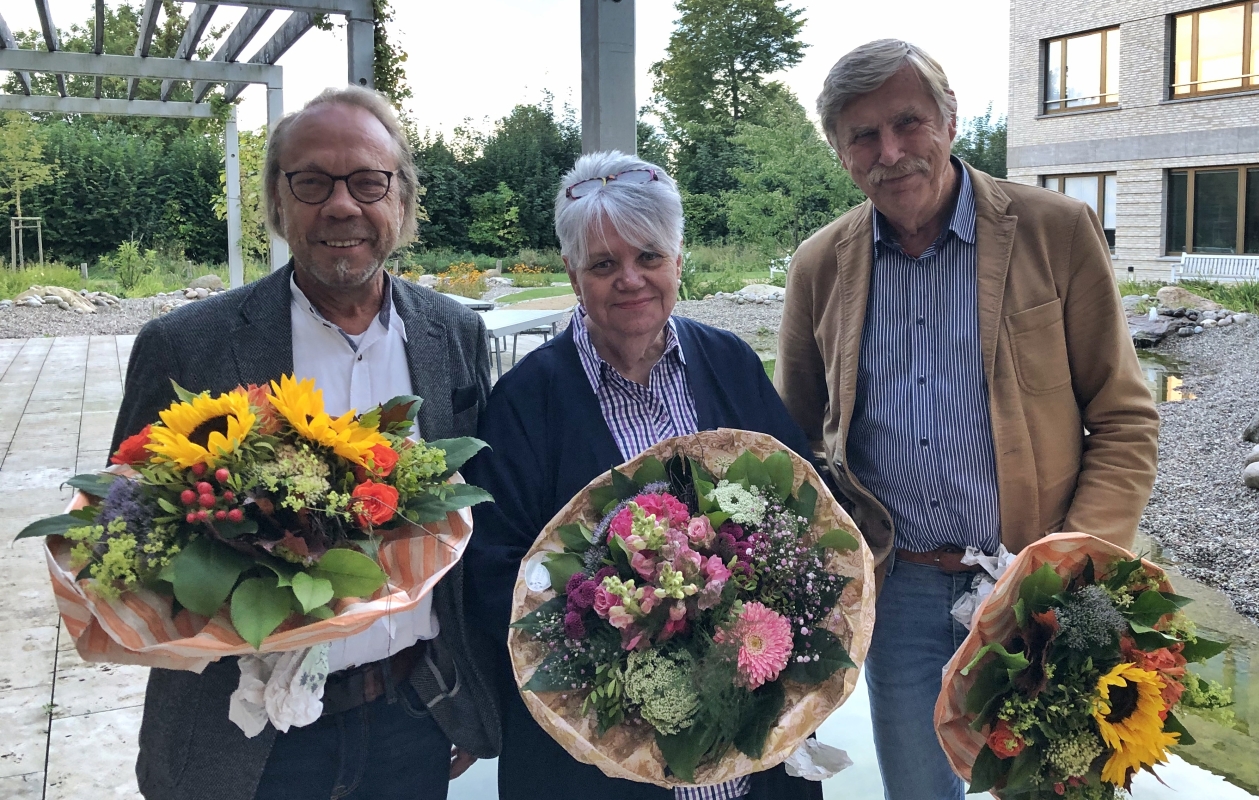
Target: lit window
1097, 190
1213, 210
1216, 51
1082, 71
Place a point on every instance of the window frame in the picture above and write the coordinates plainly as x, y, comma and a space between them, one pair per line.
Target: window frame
1239, 246
1250, 72
1101, 192
1103, 90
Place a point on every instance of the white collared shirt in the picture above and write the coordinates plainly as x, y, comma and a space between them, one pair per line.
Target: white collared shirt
360, 372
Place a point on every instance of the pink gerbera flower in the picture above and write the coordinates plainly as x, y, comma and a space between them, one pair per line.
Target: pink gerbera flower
764, 639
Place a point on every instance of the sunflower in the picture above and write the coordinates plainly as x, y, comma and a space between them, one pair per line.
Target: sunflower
1127, 709
201, 430
301, 404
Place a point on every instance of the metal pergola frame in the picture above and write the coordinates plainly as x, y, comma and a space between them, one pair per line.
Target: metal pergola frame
221, 68
607, 66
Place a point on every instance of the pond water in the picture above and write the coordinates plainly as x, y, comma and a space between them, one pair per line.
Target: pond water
1163, 376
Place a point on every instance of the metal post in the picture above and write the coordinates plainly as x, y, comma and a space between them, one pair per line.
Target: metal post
275, 111
360, 35
235, 261
39, 236
608, 118
12, 243
83, 271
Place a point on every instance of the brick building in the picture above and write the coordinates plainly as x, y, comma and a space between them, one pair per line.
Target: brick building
1149, 111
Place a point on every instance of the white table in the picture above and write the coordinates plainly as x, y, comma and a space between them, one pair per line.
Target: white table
475, 305
503, 322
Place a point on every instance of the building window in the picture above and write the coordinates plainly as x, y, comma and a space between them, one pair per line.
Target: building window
1098, 190
1216, 51
1082, 71
1213, 210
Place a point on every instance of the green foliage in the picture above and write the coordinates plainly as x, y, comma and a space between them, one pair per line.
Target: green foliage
22, 164
389, 76
255, 242
495, 225
130, 265
981, 143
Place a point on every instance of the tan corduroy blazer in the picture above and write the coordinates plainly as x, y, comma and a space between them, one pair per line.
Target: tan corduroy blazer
1074, 427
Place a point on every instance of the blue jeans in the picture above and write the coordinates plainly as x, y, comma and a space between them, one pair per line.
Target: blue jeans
388, 749
914, 637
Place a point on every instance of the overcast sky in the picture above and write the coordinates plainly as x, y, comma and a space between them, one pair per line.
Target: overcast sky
475, 59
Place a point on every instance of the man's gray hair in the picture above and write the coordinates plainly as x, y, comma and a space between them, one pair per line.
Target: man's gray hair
867, 68
647, 215
404, 177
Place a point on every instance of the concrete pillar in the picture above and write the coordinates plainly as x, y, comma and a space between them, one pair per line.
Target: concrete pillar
235, 260
360, 43
608, 105
275, 111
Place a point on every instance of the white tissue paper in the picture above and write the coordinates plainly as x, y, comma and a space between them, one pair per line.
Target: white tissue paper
285, 689
815, 761
967, 606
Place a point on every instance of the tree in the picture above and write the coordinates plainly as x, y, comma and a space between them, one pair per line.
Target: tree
22, 164
389, 76
981, 144
496, 221
652, 145
790, 183
255, 244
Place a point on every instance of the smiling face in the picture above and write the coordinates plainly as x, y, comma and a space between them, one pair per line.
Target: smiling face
628, 292
895, 144
340, 243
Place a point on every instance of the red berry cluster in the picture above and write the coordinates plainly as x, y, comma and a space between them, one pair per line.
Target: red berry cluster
204, 502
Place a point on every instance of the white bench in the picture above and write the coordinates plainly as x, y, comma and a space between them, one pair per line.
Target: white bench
778, 265
1216, 268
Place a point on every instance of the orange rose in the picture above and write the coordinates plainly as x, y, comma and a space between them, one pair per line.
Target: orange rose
383, 459
373, 504
260, 399
1003, 742
132, 450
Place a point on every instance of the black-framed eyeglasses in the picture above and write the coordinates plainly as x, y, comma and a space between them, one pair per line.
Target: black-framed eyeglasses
583, 188
365, 185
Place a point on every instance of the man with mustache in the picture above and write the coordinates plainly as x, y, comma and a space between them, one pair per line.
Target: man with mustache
957, 348
340, 187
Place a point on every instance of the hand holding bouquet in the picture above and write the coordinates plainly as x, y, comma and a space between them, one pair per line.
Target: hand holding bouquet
260, 504
1068, 683
697, 608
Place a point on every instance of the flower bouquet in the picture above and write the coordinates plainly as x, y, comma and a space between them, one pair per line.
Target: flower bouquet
694, 615
1066, 685
255, 521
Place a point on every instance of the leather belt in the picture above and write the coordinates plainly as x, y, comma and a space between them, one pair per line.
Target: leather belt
351, 688
947, 559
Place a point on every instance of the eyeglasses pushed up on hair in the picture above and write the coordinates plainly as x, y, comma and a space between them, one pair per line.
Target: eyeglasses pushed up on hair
583, 188
365, 185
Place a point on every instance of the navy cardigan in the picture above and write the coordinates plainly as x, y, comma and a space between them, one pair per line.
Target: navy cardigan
548, 440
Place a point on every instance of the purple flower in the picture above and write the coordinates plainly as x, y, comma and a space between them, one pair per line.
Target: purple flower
574, 582
606, 572
574, 628
583, 597
123, 500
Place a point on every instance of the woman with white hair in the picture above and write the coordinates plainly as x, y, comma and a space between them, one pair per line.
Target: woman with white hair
625, 375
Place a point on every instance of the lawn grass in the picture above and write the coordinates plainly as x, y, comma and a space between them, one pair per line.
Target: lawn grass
535, 294
1241, 296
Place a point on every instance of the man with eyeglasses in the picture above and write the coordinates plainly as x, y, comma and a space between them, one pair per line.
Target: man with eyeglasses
406, 707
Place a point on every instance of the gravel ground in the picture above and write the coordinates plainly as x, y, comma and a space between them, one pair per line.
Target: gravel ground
754, 322
1200, 511
21, 322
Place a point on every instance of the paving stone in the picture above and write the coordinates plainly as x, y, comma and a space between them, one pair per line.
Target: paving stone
23, 729
84, 688
22, 787
29, 654
93, 756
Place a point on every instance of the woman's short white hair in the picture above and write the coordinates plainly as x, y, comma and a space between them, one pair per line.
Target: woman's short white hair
647, 215
867, 68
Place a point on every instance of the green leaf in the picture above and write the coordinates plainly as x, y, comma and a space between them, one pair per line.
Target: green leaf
782, 474
311, 592
561, 567
168, 506
1201, 649
1150, 607
232, 530
458, 452
1174, 725
1014, 662
94, 483
805, 501
400, 410
258, 608
623, 486
700, 473
351, 573
433, 507
650, 471
603, 496
1122, 569
760, 716
992, 680
987, 770
203, 574
1020, 613
183, 394
1149, 639
284, 571
323, 612
1024, 768
1038, 589
51, 526
833, 658
702, 491
838, 539
684, 750
717, 518
617, 552
575, 536
531, 622
749, 471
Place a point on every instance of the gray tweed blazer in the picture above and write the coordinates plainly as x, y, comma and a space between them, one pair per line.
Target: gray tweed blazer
189, 750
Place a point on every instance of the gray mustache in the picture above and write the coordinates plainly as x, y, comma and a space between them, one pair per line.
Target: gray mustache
906, 166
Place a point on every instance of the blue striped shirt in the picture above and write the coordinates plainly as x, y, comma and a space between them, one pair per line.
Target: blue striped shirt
638, 417
921, 433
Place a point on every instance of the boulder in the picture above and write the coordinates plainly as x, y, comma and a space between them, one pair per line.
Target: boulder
190, 294
1131, 301
1209, 323
1149, 332
1253, 455
210, 282
1177, 297
1225, 321
759, 291
1251, 434
202, 293
31, 302
58, 294
1184, 331
1250, 476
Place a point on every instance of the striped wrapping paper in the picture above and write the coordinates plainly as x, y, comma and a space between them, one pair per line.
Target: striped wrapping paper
138, 627
1067, 553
